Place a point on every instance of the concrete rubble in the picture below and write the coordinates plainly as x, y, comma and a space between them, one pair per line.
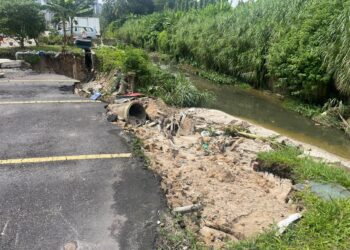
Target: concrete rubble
209, 173
9, 64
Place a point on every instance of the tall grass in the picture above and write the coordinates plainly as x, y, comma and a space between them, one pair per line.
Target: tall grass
297, 46
174, 90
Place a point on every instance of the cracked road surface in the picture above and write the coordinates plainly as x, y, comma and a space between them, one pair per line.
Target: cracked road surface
109, 203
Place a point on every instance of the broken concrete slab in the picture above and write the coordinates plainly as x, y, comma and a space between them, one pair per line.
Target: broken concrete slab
324, 191
10, 64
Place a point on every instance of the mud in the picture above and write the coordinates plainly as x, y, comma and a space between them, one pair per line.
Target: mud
64, 64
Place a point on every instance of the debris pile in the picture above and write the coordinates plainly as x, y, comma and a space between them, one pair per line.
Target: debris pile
206, 164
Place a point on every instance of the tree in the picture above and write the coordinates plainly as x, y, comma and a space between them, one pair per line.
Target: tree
21, 19
78, 8
60, 8
66, 10
108, 13
140, 7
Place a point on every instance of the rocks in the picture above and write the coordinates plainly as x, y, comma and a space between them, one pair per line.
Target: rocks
112, 117
70, 246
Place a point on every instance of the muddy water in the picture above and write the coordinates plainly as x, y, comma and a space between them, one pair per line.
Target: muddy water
266, 110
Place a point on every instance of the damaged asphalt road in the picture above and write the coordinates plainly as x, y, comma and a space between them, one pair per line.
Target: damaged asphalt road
96, 203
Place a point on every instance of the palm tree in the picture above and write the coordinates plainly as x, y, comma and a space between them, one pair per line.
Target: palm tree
77, 8
66, 10
61, 8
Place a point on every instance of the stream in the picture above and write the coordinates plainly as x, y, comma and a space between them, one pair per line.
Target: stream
267, 111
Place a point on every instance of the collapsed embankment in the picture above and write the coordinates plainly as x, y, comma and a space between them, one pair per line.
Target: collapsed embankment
207, 160
70, 64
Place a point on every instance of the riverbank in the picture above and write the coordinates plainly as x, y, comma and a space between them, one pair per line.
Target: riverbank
333, 114
263, 108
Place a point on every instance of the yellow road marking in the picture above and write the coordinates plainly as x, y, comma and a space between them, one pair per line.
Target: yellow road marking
64, 158
45, 102
39, 80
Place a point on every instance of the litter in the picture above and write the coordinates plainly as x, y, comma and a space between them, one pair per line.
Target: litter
282, 225
96, 96
205, 133
187, 209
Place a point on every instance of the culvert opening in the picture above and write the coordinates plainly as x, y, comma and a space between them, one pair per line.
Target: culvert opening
136, 113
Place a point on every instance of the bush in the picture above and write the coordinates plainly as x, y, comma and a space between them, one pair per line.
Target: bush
109, 58
181, 92
53, 39
177, 91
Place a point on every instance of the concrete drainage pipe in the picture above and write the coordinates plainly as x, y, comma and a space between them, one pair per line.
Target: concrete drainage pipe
132, 112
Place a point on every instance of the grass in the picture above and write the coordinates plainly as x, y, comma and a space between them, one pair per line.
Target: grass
172, 235
325, 223
181, 92
308, 110
303, 168
137, 151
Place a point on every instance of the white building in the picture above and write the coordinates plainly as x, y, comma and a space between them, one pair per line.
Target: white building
48, 15
97, 7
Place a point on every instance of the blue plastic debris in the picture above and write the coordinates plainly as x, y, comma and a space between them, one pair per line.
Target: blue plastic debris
40, 53
95, 96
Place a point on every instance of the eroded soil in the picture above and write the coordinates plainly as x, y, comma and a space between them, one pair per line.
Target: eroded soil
215, 171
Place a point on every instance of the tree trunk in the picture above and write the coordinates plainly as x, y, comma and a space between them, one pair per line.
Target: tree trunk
21, 42
71, 28
64, 32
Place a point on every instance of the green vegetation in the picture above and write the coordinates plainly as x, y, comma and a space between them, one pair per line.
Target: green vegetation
117, 11
66, 10
174, 90
137, 151
286, 42
308, 110
325, 223
222, 78
21, 19
297, 48
303, 168
173, 236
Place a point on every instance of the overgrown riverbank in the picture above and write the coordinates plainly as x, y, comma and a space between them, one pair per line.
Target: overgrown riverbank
292, 53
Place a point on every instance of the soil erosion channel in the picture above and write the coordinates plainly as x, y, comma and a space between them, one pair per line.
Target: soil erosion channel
267, 111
